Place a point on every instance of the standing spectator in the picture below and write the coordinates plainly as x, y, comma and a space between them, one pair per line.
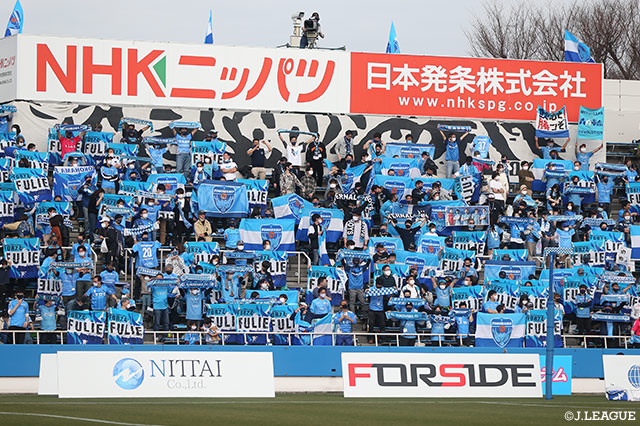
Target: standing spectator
47, 312
357, 231
583, 310
231, 235
321, 305
160, 294
183, 156
69, 143
99, 294
604, 186
314, 232
146, 252
84, 272
550, 147
259, 158
131, 135
409, 336
193, 298
583, 156
344, 146
525, 176
114, 242
345, 319
308, 183
228, 167
316, 153
377, 319
288, 180
355, 274
198, 175
452, 156
408, 233
19, 317
93, 209
497, 190
202, 227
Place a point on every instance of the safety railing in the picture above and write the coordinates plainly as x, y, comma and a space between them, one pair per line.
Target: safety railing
308, 339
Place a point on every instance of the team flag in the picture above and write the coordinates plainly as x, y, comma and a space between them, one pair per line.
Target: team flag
208, 38
289, 207
392, 44
552, 124
634, 232
85, 327
591, 123
500, 330
332, 223
280, 232
125, 327
575, 50
223, 198
14, 26
68, 180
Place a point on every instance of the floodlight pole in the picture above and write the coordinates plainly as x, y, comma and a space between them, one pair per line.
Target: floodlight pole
548, 373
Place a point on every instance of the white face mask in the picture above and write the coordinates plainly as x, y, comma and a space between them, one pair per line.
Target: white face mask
356, 219
105, 224
181, 196
310, 172
411, 282
264, 286
194, 291
442, 286
525, 167
200, 169
193, 327
432, 230
332, 185
583, 149
436, 198
386, 273
523, 192
576, 168
569, 208
240, 247
282, 300
132, 166
144, 216
267, 247
322, 295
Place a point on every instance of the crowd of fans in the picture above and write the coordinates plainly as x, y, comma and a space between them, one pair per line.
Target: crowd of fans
301, 168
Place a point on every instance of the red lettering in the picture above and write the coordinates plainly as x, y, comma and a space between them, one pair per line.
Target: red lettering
462, 380
89, 69
44, 57
142, 67
353, 375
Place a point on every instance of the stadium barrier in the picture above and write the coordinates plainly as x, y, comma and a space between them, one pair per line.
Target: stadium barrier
360, 339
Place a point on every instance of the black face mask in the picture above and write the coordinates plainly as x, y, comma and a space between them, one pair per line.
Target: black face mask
19, 296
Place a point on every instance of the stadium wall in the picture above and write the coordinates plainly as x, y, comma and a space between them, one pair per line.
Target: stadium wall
513, 139
294, 361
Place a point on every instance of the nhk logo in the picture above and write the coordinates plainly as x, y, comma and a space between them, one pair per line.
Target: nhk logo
126, 64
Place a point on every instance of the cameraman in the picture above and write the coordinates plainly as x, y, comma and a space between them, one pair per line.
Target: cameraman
312, 31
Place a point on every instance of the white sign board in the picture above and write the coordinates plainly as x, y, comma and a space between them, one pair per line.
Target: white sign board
622, 376
406, 375
183, 374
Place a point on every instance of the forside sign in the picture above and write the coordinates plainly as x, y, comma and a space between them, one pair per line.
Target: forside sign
421, 375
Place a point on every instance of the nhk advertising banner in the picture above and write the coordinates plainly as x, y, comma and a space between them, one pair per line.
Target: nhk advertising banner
470, 87
187, 75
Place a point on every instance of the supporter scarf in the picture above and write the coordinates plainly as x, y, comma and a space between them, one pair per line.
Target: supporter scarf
447, 128
130, 120
184, 125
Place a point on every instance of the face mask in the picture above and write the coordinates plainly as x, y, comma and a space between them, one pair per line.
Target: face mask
350, 247
215, 262
411, 282
69, 271
627, 218
442, 286
436, 198
95, 284
525, 167
569, 208
356, 219
332, 185
19, 296
282, 300
386, 273
200, 169
267, 247
583, 291
144, 216
322, 295
523, 192
452, 140
193, 327
343, 307
310, 172
432, 230
105, 224
576, 168
240, 247
583, 149
180, 196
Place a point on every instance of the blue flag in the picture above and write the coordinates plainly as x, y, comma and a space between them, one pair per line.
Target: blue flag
591, 123
223, 199
575, 50
95, 143
278, 269
125, 327
201, 251
24, 255
408, 150
500, 330
85, 327
280, 232
282, 323
68, 180
332, 223
257, 190
208, 38
289, 206
14, 26
7, 206
537, 329
392, 44
32, 185
252, 318
552, 124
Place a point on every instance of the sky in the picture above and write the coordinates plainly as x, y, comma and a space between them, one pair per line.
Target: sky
423, 26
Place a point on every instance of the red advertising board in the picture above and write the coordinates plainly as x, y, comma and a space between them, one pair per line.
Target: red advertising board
498, 89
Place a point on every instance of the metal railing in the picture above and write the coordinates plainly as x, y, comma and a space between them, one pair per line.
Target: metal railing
357, 338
